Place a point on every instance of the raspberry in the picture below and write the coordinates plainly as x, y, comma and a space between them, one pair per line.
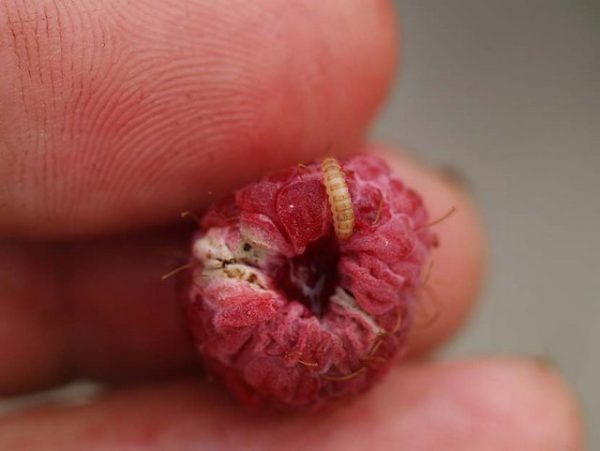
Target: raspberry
288, 315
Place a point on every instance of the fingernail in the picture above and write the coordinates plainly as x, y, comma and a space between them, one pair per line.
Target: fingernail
455, 176
545, 362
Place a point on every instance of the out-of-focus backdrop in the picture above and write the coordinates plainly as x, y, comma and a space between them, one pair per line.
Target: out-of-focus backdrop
508, 93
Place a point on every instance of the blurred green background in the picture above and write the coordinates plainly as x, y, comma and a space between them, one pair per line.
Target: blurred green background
508, 94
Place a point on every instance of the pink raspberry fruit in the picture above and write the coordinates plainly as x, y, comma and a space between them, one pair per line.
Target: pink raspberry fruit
288, 315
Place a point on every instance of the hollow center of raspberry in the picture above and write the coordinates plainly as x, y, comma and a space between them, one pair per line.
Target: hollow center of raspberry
311, 278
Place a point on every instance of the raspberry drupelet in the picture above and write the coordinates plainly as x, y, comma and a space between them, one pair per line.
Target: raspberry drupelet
290, 316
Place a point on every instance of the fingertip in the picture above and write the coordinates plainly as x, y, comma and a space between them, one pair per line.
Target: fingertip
521, 399
491, 404
559, 405
458, 263
155, 105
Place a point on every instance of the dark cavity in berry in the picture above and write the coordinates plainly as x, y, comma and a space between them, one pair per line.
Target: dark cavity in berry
311, 278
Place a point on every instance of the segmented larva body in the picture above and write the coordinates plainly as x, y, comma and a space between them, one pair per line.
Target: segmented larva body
339, 198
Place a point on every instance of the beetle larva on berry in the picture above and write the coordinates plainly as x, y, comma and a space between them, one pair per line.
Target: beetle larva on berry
339, 198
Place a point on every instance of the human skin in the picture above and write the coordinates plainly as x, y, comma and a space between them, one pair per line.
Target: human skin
114, 118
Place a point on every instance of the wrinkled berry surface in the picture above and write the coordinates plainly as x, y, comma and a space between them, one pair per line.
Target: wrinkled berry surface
287, 315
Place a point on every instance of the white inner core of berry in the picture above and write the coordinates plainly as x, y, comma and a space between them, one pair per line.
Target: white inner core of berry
219, 261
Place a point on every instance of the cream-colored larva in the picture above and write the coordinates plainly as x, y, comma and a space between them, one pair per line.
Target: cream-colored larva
339, 198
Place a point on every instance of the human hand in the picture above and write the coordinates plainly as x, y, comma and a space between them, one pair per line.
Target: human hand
117, 116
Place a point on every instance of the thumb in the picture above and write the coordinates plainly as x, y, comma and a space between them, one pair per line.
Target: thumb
122, 114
